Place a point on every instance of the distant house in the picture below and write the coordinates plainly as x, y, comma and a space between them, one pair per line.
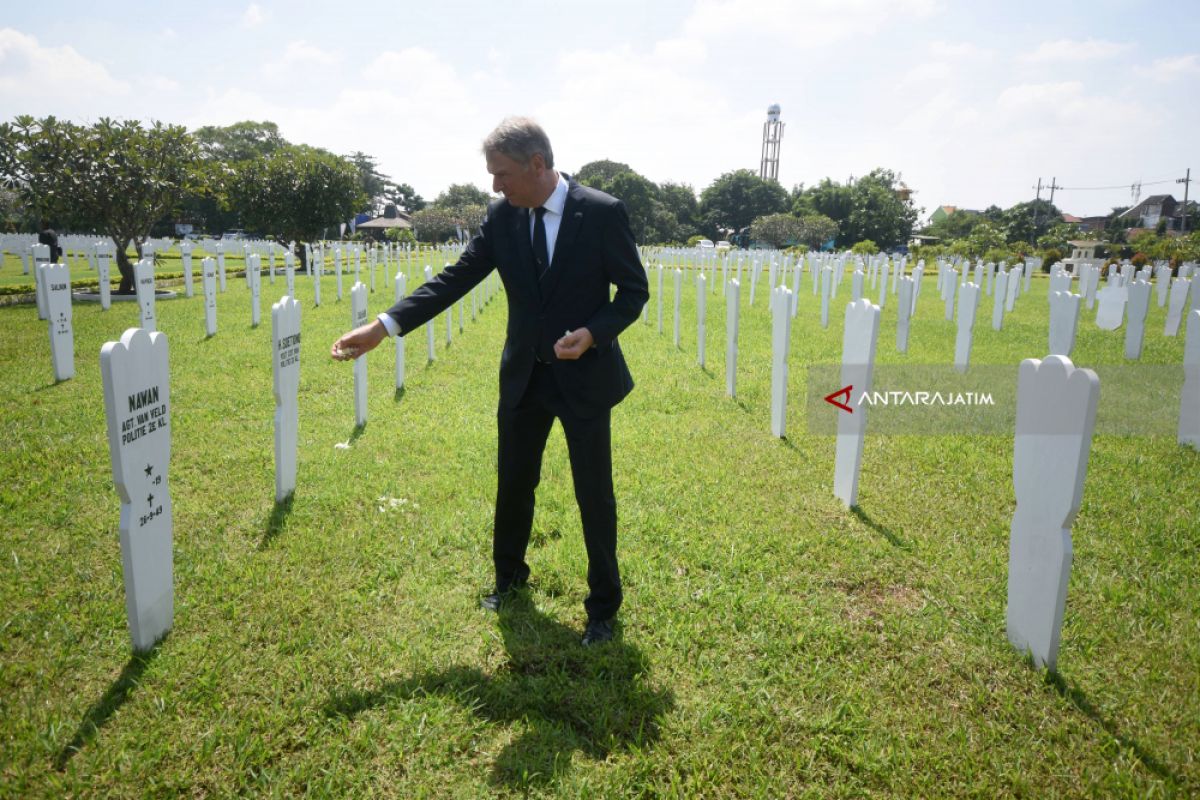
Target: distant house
392, 218
942, 212
1093, 224
1147, 213
1071, 219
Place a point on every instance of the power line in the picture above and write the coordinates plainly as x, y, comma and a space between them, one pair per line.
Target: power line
1107, 188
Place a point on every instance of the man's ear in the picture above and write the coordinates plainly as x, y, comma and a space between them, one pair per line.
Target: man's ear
538, 162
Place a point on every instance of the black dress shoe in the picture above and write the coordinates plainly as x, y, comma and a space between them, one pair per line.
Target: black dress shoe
597, 631
497, 598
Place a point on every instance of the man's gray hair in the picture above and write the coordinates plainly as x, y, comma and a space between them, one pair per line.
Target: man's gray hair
519, 138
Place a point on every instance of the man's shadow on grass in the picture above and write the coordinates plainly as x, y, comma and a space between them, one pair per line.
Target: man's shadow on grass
562, 697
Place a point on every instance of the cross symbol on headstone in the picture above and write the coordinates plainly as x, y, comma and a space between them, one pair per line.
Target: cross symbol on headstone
150, 500
149, 469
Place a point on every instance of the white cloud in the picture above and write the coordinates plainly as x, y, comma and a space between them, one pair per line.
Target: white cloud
1172, 68
37, 80
159, 83
298, 54
253, 16
804, 25
1073, 50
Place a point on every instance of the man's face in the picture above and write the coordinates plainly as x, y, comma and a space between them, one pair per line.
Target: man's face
519, 183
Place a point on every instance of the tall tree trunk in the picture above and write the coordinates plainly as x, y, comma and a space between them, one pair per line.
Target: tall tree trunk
298, 249
124, 266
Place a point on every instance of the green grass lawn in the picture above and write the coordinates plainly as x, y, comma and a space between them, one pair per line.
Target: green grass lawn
773, 644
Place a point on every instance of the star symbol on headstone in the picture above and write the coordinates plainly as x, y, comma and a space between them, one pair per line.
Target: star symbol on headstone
150, 500
149, 469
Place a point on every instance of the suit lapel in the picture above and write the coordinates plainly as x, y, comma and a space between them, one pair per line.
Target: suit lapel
568, 230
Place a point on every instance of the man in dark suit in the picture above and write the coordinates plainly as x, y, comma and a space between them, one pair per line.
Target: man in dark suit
558, 247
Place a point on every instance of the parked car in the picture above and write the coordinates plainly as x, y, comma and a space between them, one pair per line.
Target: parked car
723, 246
233, 235
705, 244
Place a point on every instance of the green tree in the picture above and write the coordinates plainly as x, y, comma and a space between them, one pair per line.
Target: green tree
458, 195
777, 230
597, 174
816, 230
955, 226
1025, 222
437, 224
404, 197
296, 193
679, 199
735, 199
116, 178
241, 141
878, 213
649, 219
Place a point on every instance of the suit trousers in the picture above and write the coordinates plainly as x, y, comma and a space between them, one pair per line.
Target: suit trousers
523, 431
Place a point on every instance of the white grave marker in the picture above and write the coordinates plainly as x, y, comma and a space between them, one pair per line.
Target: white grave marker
701, 309
104, 259
429, 325
826, 289
950, 287
1189, 398
289, 273
1056, 414
781, 328
57, 280
221, 265
904, 313
732, 312
143, 280
998, 298
400, 287
859, 337
185, 254
1162, 278
1111, 311
660, 298
208, 282
678, 300
1064, 319
137, 406
968, 306
254, 276
1139, 305
285, 334
856, 285
1179, 291
358, 316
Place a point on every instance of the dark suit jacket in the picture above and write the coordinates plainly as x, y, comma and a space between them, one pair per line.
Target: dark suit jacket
595, 248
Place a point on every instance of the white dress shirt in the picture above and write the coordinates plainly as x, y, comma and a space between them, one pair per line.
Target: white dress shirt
552, 219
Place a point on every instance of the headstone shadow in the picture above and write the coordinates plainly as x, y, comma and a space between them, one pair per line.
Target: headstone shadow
276, 520
563, 698
101, 711
1076, 697
879, 528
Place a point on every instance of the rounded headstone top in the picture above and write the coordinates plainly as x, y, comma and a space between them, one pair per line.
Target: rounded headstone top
773, 112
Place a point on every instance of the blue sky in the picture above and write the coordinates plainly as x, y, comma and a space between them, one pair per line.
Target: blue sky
970, 102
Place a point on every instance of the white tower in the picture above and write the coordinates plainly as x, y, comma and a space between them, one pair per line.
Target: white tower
772, 135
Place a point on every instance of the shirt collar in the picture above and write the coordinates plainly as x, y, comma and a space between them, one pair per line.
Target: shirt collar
557, 200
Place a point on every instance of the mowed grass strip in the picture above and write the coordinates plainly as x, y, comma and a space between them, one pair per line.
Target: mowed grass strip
773, 643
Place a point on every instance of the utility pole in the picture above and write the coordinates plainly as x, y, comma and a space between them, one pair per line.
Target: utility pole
1186, 181
1037, 212
1054, 185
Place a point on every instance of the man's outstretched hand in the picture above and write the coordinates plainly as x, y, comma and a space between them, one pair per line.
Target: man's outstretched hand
358, 341
574, 344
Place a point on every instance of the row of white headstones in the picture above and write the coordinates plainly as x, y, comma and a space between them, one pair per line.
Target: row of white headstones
136, 381
1056, 402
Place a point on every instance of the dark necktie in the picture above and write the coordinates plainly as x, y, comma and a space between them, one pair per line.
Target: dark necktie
541, 250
